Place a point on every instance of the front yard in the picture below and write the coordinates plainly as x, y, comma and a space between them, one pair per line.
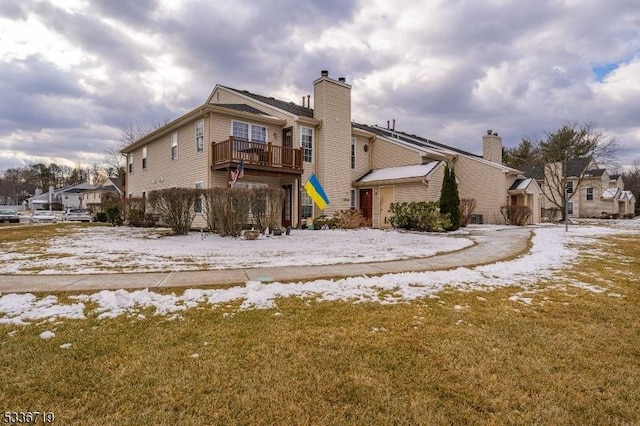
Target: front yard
501, 344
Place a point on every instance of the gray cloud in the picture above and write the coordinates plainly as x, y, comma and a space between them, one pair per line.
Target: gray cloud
447, 73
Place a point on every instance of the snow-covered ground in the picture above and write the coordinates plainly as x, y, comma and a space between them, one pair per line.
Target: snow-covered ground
552, 250
123, 249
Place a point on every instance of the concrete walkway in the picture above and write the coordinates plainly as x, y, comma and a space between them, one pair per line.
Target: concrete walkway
490, 247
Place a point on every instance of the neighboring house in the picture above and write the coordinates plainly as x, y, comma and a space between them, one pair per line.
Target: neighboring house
92, 199
69, 197
281, 144
592, 192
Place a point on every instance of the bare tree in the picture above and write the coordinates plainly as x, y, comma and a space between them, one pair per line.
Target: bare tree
115, 163
560, 149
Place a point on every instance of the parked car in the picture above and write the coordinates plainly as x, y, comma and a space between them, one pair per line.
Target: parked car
11, 216
77, 215
43, 216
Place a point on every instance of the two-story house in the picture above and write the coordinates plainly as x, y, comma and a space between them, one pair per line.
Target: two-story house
591, 191
280, 144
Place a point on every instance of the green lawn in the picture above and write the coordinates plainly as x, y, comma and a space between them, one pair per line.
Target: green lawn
571, 357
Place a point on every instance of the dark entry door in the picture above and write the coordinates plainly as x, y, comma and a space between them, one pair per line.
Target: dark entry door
286, 206
287, 144
366, 204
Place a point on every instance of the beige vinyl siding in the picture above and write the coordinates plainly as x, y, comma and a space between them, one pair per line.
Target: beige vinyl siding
362, 158
162, 172
332, 105
485, 183
386, 154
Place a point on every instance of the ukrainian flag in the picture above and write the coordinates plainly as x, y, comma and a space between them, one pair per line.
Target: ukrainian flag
315, 191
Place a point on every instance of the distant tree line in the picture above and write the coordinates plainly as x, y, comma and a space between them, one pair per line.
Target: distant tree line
19, 183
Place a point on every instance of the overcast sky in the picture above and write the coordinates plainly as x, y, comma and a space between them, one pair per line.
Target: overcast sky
73, 72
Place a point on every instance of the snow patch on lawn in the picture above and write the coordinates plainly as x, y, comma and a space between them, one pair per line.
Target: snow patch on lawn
90, 250
551, 250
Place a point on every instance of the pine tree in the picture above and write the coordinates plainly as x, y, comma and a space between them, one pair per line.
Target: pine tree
450, 199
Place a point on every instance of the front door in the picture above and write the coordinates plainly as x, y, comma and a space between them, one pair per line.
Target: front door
366, 204
287, 145
286, 206
386, 198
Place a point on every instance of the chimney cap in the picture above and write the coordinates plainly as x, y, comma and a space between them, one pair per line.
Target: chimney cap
324, 73
489, 132
342, 79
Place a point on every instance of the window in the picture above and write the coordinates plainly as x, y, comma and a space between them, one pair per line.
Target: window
198, 206
200, 136
353, 199
307, 205
174, 146
570, 207
589, 194
258, 133
240, 130
306, 142
144, 157
569, 187
131, 163
353, 153
249, 132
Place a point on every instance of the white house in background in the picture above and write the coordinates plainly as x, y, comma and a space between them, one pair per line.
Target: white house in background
92, 198
70, 197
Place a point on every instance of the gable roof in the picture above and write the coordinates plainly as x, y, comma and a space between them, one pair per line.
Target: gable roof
290, 107
610, 193
520, 184
575, 167
417, 141
401, 172
243, 108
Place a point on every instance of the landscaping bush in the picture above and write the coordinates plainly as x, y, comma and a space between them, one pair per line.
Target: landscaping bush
324, 220
350, 219
259, 208
551, 214
101, 217
467, 207
136, 213
227, 209
419, 216
176, 207
113, 206
515, 215
275, 196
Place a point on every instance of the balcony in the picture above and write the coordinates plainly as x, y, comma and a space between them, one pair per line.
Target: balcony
255, 156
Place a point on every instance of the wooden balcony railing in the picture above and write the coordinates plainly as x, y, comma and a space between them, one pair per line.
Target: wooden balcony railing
257, 155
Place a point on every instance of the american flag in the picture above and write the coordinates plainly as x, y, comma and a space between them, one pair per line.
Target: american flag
237, 173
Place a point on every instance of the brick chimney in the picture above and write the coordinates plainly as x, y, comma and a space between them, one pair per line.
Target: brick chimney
492, 147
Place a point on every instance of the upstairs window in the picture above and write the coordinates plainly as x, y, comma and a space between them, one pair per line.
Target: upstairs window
589, 194
306, 142
569, 187
249, 132
174, 146
130, 163
144, 157
200, 136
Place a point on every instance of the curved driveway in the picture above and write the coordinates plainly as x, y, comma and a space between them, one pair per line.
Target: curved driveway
490, 247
